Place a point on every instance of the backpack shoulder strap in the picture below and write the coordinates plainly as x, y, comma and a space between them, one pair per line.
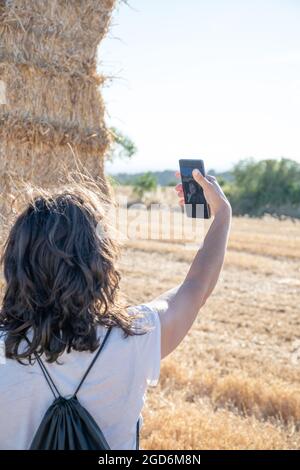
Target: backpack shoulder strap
46, 374
93, 361
137, 447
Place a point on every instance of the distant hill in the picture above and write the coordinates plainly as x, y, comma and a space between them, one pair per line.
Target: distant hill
163, 178
225, 175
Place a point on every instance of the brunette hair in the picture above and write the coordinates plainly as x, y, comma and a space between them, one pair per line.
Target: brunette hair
61, 278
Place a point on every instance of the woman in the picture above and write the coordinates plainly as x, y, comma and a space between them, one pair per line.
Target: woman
61, 291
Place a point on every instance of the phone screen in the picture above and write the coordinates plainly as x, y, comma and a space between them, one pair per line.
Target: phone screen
195, 202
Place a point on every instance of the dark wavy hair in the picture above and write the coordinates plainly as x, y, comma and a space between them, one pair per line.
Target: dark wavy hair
61, 278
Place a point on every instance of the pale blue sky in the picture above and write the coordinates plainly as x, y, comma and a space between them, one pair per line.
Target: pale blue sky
214, 79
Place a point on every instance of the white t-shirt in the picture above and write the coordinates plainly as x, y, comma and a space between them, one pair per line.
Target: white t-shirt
114, 391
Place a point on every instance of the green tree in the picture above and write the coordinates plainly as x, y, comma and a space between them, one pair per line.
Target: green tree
267, 186
122, 146
144, 183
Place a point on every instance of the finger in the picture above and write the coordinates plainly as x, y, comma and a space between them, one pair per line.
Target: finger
177, 174
181, 202
197, 175
211, 178
178, 187
180, 194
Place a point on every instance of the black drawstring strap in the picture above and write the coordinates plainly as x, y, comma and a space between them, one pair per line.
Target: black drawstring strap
93, 361
138, 435
54, 389
46, 374
48, 377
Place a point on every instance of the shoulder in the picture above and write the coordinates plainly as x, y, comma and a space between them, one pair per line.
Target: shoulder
145, 316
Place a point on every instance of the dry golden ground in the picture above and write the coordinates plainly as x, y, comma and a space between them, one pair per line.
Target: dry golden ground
233, 383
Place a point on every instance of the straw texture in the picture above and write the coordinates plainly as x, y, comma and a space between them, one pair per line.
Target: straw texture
53, 117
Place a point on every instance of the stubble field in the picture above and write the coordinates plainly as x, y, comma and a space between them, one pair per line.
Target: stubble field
233, 383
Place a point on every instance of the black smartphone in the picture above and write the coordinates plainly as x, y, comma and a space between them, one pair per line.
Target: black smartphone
195, 203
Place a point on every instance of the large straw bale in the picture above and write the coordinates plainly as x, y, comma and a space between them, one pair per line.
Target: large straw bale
56, 33
53, 118
56, 96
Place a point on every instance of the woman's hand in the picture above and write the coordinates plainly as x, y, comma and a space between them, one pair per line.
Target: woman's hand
213, 193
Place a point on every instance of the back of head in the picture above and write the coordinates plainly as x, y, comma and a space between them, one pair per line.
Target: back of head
61, 278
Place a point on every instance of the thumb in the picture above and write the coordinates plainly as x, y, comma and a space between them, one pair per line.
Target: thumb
197, 175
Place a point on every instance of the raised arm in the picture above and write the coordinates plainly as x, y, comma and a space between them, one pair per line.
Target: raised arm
178, 307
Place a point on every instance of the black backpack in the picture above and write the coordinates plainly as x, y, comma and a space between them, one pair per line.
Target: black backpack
67, 425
